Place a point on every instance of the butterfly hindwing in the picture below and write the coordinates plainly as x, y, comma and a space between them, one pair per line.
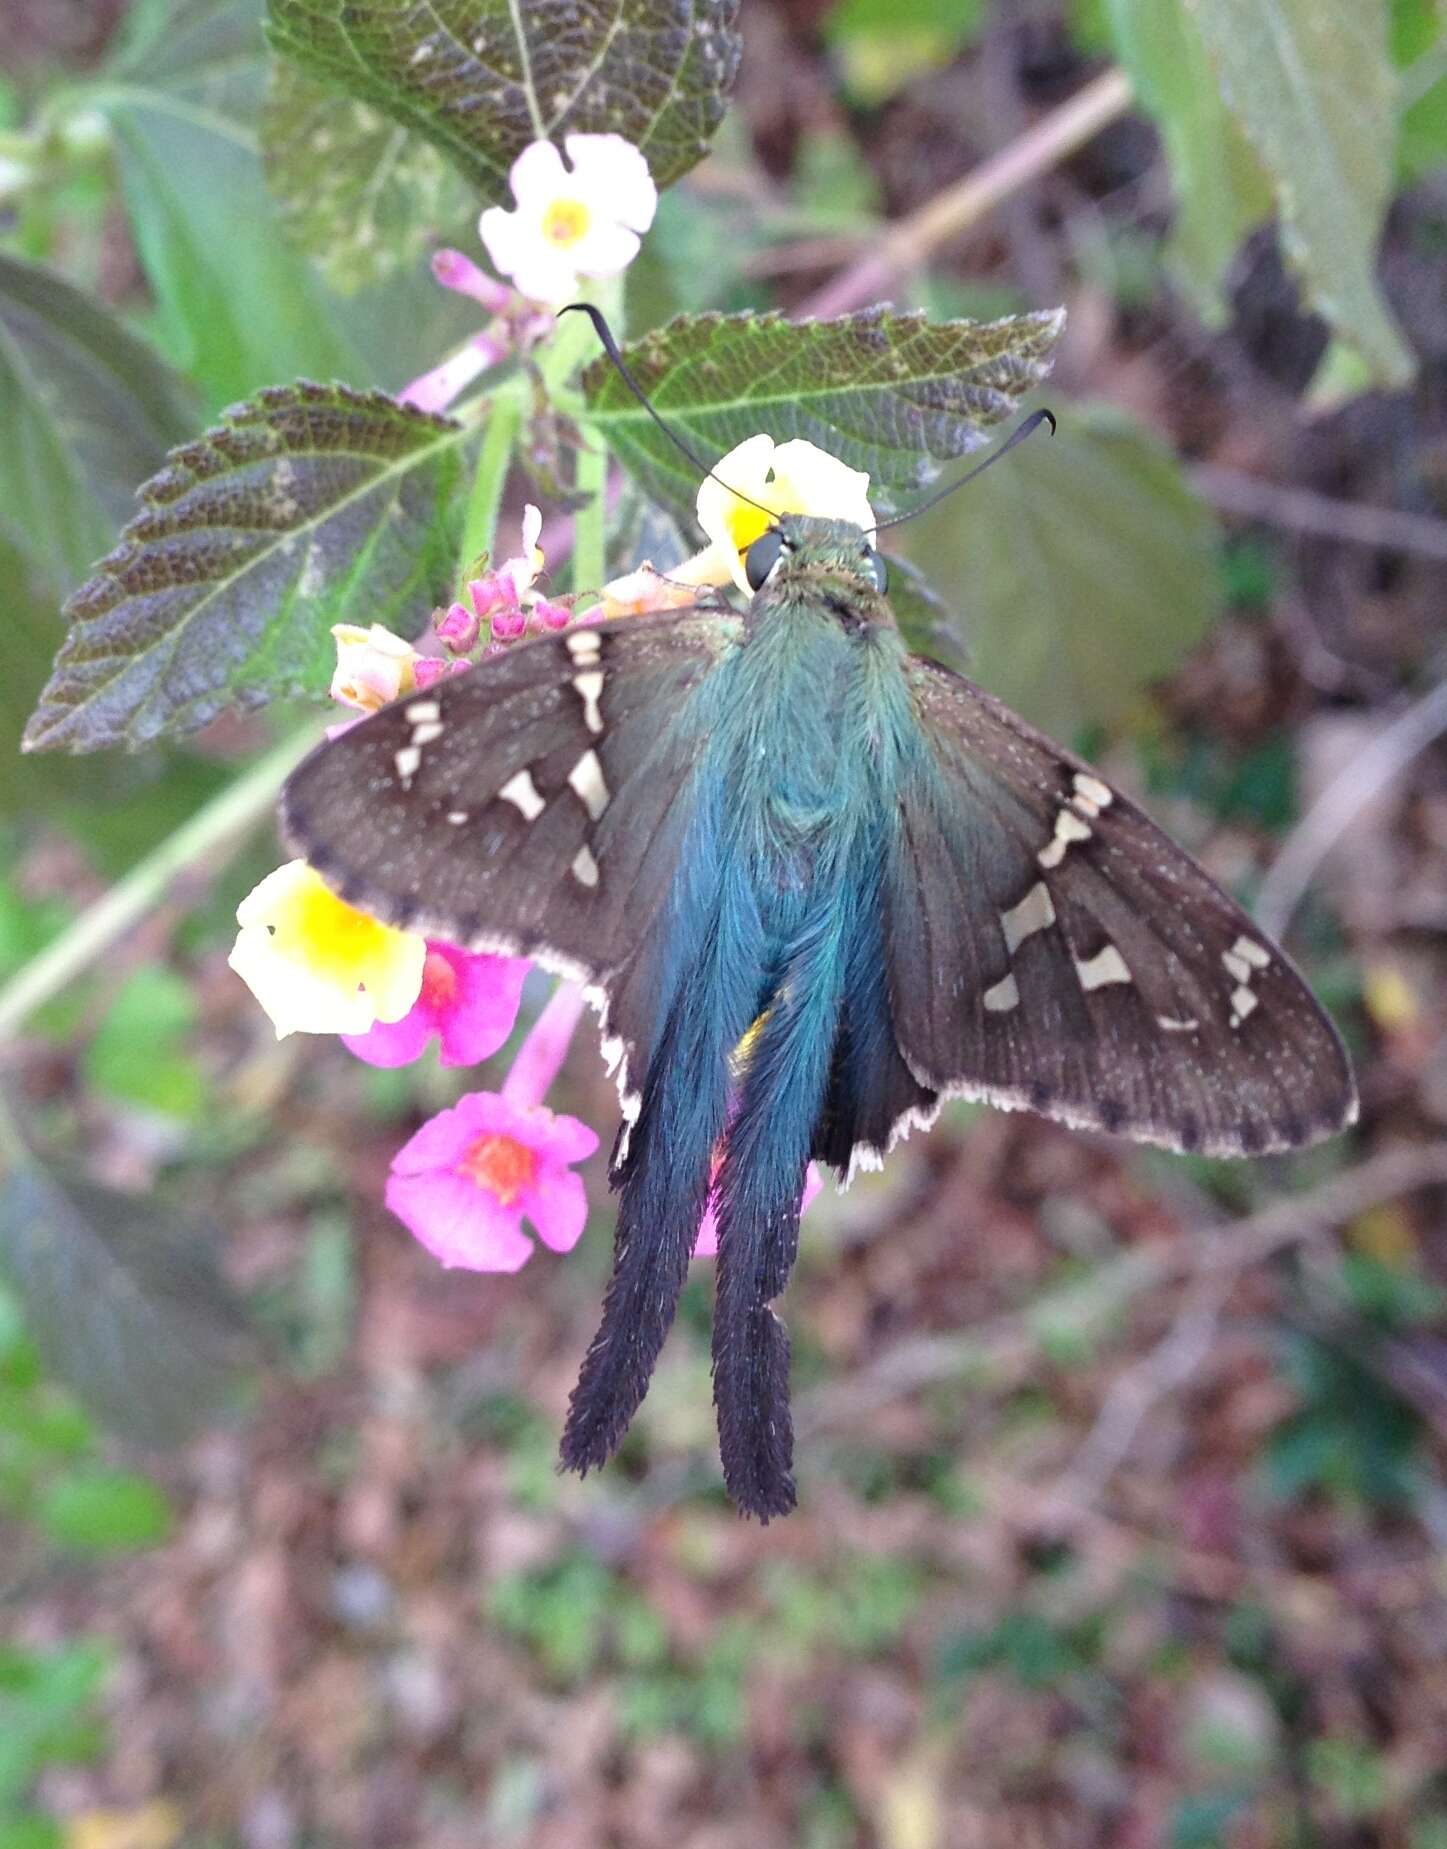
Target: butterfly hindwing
1049, 947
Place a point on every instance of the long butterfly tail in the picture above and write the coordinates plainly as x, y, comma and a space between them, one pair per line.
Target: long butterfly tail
664, 1179
759, 1195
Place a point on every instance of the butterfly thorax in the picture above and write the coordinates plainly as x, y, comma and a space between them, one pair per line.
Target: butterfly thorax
816, 716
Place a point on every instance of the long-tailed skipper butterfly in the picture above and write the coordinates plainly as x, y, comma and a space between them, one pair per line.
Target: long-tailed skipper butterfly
787, 821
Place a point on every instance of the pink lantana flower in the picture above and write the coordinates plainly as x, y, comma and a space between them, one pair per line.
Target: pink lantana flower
468, 1002
466, 1181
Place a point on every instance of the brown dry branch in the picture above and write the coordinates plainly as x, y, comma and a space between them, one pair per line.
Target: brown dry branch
913, 240
1010, 1342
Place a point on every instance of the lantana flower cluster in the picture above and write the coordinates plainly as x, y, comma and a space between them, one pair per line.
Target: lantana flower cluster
467, 1180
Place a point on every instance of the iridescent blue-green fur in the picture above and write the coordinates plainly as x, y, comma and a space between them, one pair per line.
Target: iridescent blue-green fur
774, 918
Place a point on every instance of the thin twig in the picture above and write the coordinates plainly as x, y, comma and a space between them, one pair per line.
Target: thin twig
1017, 1338
1303, 511
910, 242
1348, 793
220, 824
1137, 1389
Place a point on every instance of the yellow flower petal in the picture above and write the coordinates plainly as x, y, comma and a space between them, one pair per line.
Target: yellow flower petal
318, 965
732, 525
808, 480
796, 477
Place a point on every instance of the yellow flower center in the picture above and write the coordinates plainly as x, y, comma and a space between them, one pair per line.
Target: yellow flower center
501, 1164
745, 524
565, 221
336, 935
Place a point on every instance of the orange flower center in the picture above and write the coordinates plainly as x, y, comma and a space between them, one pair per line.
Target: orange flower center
439, 981
565, 221
501, 1164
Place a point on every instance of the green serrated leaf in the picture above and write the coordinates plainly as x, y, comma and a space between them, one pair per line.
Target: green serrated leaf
87, 411
236, 302
206, 53
361, 195
895, 395
1313, 88
1085, 566
481, 79
311, 503
1220, 190
124, 1302
104, 1511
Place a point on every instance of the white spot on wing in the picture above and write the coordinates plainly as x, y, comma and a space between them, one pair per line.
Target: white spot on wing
1004, 996
1237, 968
585, 646
1253, 953
424, 712
1034, 912
1169, 1024
1093, 790
457, 817
1105, 967
588, 784
589, 686
407, 760
585, 868
425, 733
1243, 1002
522, 793
1068, 827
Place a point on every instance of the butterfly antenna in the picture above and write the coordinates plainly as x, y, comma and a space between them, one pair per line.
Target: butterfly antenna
1031, 424
610, 347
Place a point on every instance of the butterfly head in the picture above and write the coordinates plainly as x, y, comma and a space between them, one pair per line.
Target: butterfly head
828, 561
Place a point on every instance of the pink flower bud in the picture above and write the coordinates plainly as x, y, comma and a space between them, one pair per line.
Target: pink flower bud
431, 669
508, 625
457, 628
552, 615
455, 271
492, 592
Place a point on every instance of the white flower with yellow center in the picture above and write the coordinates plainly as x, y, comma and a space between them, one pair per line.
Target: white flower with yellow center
316, 964
783, 478
583, 219
373, 666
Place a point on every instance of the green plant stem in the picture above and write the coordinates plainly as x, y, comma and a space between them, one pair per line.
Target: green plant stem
590, 562
494, 458
224, 821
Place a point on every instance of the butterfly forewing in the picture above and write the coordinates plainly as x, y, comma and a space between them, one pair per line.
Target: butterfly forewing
533, 805
1049, 947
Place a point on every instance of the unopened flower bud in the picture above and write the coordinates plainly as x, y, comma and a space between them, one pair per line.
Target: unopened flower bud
457, 628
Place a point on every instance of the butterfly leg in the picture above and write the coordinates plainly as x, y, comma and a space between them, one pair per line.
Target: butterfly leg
759, 1192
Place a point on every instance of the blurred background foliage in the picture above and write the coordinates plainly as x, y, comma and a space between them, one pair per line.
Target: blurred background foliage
1125, 1516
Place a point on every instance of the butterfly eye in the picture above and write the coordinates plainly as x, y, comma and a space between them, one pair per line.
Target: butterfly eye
876, 570
762, 557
